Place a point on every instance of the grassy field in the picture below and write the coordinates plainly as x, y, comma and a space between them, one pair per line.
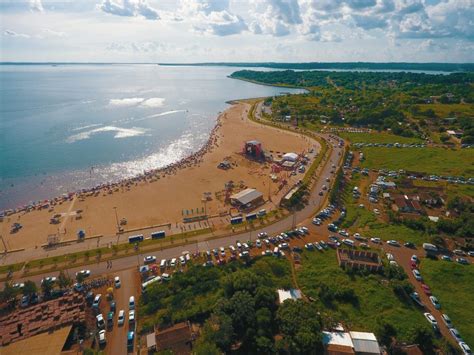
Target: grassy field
424, 160
377, 137
450, 190
453, 285
376, 301
448, 110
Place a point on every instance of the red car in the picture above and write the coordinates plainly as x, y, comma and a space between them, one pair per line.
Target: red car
413, 265
426, 289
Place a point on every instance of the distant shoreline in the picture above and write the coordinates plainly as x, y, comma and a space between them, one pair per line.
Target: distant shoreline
352, 66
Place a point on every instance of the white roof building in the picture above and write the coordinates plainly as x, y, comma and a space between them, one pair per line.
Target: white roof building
246, 196
365, 343
291, 294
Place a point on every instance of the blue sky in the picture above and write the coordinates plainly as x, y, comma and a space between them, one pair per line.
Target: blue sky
237, 30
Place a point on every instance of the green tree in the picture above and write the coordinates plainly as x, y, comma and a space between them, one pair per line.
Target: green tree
9, 293
206, 348
300, 325
64, 281
30, 288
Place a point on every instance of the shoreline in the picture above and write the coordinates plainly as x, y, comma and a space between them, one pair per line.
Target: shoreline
189, 160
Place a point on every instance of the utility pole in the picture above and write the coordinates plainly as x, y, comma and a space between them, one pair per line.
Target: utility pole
4, 244
116, 219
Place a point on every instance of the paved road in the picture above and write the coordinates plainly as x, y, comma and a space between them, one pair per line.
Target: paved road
117, 338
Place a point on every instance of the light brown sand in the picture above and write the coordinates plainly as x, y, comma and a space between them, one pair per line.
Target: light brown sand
162, 201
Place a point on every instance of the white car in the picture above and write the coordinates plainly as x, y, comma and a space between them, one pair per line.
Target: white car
447, 320
375, 240
51, 279
131, 316
454, 332
131, 303
393, 243
376, 211
222, 250
417, 275
121, 317
470, 253
305, 230
150, 259
466, 350
435, 302
117, 282
102, 339
414, 258
317, 221
258, 243
85, 273
182, 260
173, 262
100, 321
390, 257
430, 318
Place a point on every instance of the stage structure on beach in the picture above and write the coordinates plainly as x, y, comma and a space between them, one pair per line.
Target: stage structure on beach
253, 149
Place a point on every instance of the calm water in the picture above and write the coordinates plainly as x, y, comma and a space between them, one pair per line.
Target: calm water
68, 127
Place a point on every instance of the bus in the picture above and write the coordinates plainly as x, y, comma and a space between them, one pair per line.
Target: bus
251, 216
135, 238
158, 235
149, 282
236, 220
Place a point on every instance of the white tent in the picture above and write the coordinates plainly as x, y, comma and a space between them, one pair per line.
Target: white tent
290, 157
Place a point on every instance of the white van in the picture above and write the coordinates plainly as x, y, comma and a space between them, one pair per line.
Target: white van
348, 242
430, 247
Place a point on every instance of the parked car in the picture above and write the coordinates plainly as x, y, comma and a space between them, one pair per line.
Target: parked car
97, 300
25, 301
375, 240
117, 282
435, 302
149, 259
121, 317
417, 275
429, 317
455, 334
466, 350
102, 339
131, 303
462, 261
84, 273
131, 316
100, 321
393, 243
51, 279
414, 258
409, 245
446, 258
426, 289
447, 320
416, 297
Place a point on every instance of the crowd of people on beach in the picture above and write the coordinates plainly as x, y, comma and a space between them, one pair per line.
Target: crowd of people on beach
193, 159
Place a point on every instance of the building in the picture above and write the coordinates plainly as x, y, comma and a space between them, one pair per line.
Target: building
365, 343
291, 294
359, 343
247, 198
457, 134
359, 259
406, 204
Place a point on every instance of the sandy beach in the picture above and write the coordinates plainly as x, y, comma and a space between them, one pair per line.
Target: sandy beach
160, 197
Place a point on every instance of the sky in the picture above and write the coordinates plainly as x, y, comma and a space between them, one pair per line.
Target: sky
189, 31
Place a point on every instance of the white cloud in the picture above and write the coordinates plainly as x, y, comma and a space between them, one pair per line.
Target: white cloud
52, 33
276, 17
212, 17
36, 5
132, 101
15, 34
154, 102
130, 8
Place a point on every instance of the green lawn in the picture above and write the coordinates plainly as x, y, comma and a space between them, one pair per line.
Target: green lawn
453, 285
377, 137
377, 303
451, 190
439, 161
